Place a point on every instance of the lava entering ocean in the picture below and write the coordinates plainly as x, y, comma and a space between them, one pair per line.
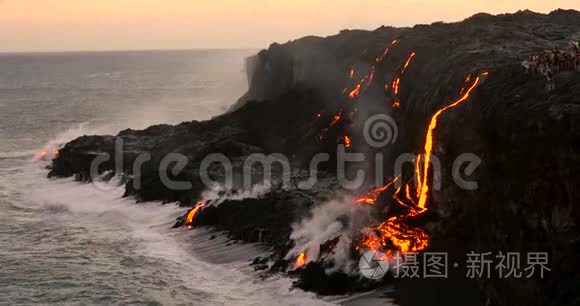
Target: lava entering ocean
191, 215
397, 234
45, 154
300, 260
396, 231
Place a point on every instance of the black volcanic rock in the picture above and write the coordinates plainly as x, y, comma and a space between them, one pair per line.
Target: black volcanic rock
525, 136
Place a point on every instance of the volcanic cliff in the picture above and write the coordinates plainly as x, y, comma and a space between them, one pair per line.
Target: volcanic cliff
311, 95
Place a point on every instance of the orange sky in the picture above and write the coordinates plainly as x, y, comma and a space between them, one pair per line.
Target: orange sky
52, 25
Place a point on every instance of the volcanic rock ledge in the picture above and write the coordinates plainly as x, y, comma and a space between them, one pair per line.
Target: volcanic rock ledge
525, 135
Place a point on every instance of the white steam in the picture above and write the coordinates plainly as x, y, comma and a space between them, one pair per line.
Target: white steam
338, 217
218, 195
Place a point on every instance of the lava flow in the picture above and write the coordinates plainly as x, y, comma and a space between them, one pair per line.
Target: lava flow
356, 91
363, 84
396, 231
192, 213
371, 197
399, 234
423, 187
41, 155
395, 86
300, 260
397, 81
408, 62
381, 58
347, 141
366, 81
334, 121
44, 154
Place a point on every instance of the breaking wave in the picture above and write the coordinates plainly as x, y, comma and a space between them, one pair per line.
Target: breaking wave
80, 244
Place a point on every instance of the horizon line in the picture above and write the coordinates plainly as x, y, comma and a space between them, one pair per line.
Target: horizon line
24, 52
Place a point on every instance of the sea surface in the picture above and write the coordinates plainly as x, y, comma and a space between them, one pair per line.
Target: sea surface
66, 243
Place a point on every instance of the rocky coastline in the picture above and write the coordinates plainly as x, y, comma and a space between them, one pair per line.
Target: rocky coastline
524, 132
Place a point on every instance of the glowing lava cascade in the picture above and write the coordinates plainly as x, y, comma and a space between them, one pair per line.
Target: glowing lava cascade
364, 83
371, 197
396, 231
423, 187
191, 214
300, 260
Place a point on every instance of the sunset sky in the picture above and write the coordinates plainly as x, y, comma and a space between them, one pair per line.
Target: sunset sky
54, 25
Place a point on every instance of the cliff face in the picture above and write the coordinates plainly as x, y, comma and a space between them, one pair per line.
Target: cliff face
525, 136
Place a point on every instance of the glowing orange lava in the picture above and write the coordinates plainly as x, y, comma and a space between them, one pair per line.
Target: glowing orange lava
366, 81
380, 59
355, 92
408, 193
408, 62
370, 241
370, 77
397, 198
397, 80
397, 232
300, 260
467, 79
403, 236
347, 141
396, 83
423, 185
192, 213
371, 197
334, 121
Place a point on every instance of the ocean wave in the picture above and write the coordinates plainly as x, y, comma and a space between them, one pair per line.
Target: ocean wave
17, 154
123, 242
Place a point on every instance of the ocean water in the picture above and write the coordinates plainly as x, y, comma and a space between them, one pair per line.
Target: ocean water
67, 243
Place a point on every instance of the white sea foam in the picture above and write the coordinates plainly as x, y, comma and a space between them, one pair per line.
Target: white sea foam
117, 237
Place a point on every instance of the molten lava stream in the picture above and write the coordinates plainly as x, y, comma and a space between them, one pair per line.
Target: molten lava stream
356, 91
300, 260
191, 215
371, 197
334, 121
347, 141
395, 85
366, 81
428, 148
380, 59
409, 59
396, 230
